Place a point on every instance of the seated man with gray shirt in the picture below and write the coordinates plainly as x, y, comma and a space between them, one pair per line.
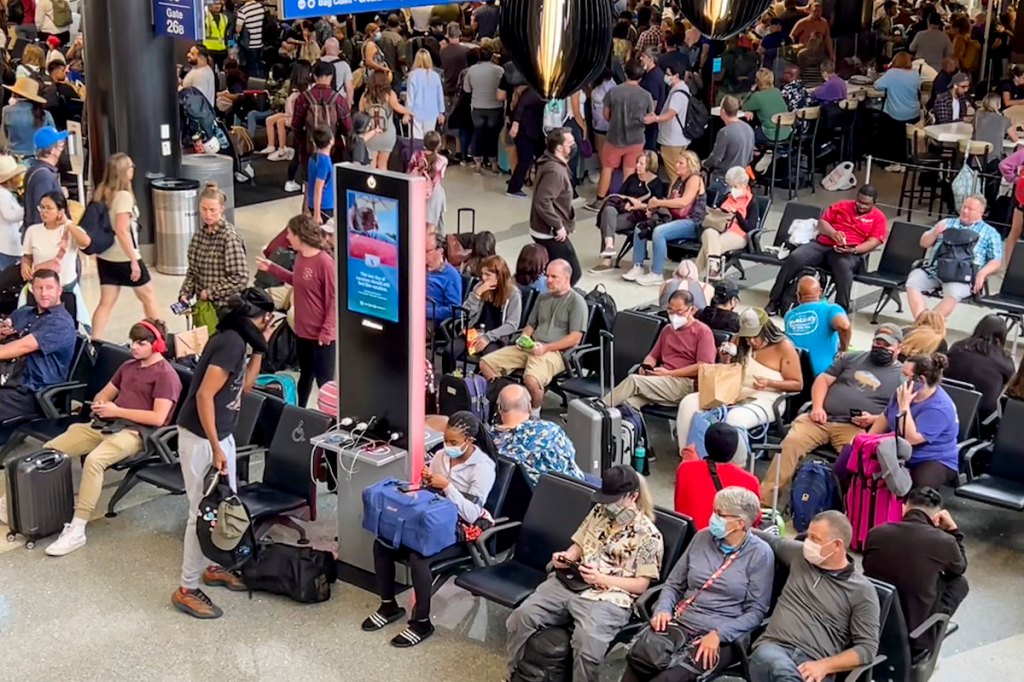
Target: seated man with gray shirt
557, 323
826, 620
734, 143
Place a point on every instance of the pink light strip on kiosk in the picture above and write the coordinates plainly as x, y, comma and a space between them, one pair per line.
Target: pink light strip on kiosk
417, 279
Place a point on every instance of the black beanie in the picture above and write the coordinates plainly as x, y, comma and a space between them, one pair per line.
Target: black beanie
721, 441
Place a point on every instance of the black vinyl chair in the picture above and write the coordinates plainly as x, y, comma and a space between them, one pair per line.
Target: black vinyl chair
58, 400
1003, 484
558, 506
966, 402
1009, 301
900, 664
287, 488
679, 249
634, 335
902, 250
162, 470
529, 296
794, 211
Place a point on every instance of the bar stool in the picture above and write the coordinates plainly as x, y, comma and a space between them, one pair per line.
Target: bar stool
922, 175
805, 146
847, 132
976, 153
782, 148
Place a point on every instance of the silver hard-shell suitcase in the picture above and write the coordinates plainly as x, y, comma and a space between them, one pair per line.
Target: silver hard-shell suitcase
40, 496
596, 430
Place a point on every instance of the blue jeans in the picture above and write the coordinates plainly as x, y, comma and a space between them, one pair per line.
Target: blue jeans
674, 229
251, 61
7, 261
777, 663
255, 118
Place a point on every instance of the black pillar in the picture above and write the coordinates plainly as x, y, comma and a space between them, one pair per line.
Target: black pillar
132, 84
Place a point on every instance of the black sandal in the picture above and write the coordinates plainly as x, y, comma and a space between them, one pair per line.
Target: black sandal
378, 621
409, 637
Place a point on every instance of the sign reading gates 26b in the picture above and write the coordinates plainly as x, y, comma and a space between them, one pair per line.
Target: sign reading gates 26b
305, 9
181, 19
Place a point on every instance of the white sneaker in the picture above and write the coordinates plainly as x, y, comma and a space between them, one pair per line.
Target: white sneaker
278, 155
3, 511
269, 149
289, 153
764, 163
895, 168
292, 186
651, 279
71, 538
632, 274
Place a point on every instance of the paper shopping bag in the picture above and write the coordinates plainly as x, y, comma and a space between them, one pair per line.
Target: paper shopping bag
191, 342
719, 385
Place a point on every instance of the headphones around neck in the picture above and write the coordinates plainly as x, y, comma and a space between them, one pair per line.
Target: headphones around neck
159, 344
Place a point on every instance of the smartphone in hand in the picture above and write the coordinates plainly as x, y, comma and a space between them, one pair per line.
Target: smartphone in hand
180, 307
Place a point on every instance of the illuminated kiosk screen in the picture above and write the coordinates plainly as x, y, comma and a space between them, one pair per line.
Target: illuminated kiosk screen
372, 246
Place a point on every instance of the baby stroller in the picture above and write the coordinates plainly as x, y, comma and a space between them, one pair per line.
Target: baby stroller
199, 124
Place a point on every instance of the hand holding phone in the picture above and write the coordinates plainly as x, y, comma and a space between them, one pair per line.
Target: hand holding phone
180, 307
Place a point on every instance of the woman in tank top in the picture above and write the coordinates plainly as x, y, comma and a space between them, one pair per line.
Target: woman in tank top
771, 366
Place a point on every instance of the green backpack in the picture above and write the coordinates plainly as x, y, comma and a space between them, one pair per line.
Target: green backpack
61, 13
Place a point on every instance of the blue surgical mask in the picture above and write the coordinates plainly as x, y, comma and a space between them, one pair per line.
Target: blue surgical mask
453, 451
717, 526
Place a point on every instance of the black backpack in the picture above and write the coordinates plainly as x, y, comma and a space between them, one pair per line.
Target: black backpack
697, 118
283, 257
282, 351
218, 500
788, 298
15, 12
547, 657
954, 259
96, 223
605, 307
303, 574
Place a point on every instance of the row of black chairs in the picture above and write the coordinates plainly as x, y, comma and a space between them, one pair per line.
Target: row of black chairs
559, 504
266, 426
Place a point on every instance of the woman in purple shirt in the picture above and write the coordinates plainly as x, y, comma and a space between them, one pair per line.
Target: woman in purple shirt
924, 414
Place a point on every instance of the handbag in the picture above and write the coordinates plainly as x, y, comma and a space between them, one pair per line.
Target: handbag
718, 220
191, 342
571, 579
719, 385
420, 520
456, 252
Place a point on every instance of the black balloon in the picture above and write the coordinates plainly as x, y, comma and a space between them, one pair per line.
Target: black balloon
721, 19
558, 45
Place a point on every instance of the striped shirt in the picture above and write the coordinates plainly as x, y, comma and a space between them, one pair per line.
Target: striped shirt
251, 15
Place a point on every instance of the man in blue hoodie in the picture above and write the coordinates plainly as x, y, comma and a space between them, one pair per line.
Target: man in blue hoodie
444, 284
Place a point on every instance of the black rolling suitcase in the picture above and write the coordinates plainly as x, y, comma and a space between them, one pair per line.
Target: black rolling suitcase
40, 497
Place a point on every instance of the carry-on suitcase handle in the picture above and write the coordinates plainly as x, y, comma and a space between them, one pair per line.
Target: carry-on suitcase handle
472, 221
610, 338
49, 461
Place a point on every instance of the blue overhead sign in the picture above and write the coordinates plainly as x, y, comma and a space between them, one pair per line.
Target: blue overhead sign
307, 9
181, 19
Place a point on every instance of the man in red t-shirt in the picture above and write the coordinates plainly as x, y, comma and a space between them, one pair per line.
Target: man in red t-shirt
696, 487
847, 232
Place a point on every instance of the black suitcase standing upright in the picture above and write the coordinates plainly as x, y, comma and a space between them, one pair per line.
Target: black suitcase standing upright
40, 497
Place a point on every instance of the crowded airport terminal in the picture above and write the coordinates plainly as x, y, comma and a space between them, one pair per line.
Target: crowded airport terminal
512, 340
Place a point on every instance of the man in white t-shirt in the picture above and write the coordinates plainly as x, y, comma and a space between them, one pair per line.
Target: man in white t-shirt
671, 121
200, 75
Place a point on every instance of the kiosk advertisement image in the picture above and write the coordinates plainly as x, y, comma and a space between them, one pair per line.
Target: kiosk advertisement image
371, 227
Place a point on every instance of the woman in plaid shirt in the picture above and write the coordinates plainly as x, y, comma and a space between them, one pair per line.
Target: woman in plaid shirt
216, 256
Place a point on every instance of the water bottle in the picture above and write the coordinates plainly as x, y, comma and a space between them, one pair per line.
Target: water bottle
640, 457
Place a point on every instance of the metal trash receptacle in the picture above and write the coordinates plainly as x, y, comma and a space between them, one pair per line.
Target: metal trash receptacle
216, 168
176, 216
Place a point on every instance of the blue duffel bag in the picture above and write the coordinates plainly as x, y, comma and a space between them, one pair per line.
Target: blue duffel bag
421, 520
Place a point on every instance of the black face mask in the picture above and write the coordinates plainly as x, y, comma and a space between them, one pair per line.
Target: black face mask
881, 356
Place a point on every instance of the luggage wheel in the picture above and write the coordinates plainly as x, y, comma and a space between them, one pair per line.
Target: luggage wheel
11, 537
29, 544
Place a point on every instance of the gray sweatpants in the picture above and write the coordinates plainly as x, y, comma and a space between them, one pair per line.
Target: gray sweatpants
196, 457
552, 605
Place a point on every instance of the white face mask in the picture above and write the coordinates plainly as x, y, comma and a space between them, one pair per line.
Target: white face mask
668, 80
812, 553
678, 321
736, 192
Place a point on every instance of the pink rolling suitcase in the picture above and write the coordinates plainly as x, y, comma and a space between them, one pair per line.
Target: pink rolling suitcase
869, 502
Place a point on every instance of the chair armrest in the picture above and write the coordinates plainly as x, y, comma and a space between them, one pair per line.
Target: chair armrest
971, 453
643, 606
777, 407
574, 356
859, 671
932, 621
992, 418
481, 542
164, 443
46, 398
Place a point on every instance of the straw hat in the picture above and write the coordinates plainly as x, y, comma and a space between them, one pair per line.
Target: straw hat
26, 88
10, 168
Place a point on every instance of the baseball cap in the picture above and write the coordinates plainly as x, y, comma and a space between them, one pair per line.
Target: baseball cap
726, 290
889, 333
722, 442
48, 136
616, 482
752, 321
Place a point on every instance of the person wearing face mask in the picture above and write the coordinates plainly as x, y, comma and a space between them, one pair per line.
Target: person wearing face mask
739, 203
987, 259
721, 313
923, 413
847, 231
717, 593
923, 557
464, 473
672, 139
618, 550
827, 619
845, 400
669, 372
206, 426
771, 367
696, 486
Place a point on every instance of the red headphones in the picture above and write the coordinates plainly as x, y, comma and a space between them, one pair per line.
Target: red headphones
159, 345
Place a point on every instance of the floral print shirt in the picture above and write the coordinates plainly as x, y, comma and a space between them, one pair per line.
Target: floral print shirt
542, 447
633, 551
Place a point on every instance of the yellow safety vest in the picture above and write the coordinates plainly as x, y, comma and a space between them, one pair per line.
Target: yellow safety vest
216, 33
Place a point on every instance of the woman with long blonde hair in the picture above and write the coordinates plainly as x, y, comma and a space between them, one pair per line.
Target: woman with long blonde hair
424, 95
926, 336
121, 265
